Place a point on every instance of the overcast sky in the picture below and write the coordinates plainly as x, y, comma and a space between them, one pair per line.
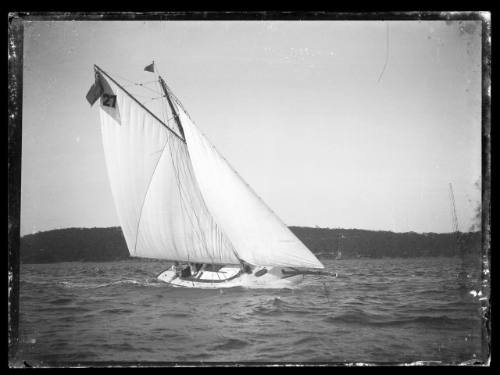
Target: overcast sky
297, 108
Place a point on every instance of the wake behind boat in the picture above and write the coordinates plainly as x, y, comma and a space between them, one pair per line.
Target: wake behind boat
178, 199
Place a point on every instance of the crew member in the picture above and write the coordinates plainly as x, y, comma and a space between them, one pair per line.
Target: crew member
186, 271
247, 268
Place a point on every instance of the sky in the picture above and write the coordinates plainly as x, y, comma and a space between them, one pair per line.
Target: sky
338, 124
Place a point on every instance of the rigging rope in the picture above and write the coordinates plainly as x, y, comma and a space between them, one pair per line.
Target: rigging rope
185, 204
386, 55
163, 112
142, 84
152, 99
142, 95
131, 83
180, 190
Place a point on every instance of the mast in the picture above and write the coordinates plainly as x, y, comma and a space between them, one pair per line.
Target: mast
453, 210
172, 107
456, 231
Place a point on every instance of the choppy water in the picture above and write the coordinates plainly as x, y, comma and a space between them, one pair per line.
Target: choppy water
377, 310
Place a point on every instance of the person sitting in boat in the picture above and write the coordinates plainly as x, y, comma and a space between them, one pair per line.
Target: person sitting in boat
193, 268
246, 268
204, 267
186, 271
176, 268
198, 267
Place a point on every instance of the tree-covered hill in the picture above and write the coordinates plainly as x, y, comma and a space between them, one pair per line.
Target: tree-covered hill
106, 244
74, 244
376, 244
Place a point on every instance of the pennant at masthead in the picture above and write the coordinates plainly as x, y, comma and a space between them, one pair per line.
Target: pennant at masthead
150, 67
95, 91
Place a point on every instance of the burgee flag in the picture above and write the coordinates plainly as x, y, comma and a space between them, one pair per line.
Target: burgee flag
95, 91
150, 67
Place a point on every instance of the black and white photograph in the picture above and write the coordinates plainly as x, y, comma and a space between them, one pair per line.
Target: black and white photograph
249, 189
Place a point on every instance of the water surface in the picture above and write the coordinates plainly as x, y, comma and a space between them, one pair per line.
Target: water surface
376, 310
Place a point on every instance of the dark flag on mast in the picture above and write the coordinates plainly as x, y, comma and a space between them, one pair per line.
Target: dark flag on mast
150, 67
95, 91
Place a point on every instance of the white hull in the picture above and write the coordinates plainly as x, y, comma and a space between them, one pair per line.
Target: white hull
231, 277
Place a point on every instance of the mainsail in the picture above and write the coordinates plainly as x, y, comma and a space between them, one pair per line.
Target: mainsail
159, 206
176, 196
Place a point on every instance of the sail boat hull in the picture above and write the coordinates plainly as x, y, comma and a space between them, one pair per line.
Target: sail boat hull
231, 277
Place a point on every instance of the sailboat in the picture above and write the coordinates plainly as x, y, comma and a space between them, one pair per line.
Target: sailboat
178, 199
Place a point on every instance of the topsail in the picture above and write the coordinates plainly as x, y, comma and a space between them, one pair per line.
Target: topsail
178, 199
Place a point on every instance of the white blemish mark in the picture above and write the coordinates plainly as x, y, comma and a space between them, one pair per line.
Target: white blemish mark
474, 293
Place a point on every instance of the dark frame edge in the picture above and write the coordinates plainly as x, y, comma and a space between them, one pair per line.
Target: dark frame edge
15, 97
15, 94
486, 184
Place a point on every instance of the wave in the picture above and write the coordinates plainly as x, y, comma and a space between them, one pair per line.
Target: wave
305, 340
117, 311
84, 285
61, 301
231, 344
363, 318
41, 283
175, 315
64, 309
125, 346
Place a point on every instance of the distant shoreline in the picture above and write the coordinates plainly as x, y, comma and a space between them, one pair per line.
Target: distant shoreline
108, 244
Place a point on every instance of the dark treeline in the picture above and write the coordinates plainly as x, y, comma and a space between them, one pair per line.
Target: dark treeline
376, 244
107, 244
74, 244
